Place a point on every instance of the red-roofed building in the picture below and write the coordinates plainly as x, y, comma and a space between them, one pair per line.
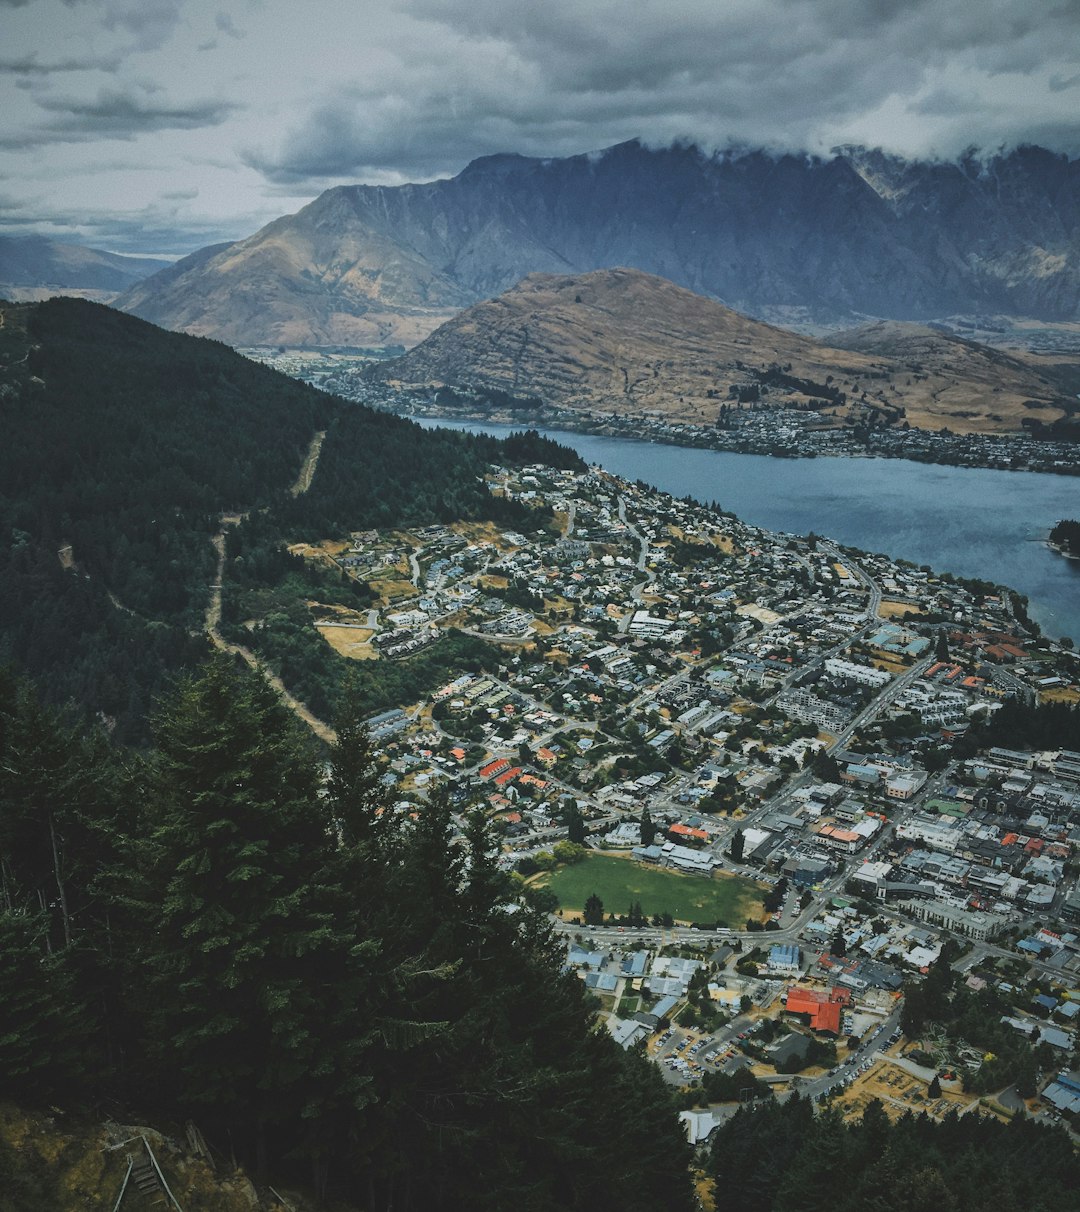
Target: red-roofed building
507, 776
494, 768
823, 1009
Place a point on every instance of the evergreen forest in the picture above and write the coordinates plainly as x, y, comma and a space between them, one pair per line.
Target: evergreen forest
785, 1157
336, 994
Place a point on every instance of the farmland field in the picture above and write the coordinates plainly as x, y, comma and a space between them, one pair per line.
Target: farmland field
729, 900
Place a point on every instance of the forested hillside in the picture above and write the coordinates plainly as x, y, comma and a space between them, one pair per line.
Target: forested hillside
334, 993
784, 1158
121, 447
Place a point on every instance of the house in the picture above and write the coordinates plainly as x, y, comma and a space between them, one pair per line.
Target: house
791, 1047
627, 1032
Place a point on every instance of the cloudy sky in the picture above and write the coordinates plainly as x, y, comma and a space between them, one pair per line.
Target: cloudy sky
159, 126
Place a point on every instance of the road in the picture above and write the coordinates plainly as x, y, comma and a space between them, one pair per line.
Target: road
885, 699
637, 591
874, 606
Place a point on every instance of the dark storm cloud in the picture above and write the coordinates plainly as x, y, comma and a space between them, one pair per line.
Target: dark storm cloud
497, 75
150, 229
32, 65
123, 114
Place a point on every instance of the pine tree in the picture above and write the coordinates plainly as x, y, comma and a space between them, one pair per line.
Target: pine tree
594, 910
44, 1028
354, 793
648, 829
237, 835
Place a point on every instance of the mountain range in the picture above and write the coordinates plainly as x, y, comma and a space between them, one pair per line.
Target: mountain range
34, 267
826, 241
625, 342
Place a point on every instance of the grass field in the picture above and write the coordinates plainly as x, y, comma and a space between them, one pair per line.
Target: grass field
617, 882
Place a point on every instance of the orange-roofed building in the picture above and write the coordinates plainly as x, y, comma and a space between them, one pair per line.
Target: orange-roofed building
546, 756
824, 1013
507, 776
457, 753
493, 768
685, 832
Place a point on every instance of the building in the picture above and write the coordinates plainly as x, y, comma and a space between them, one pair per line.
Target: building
863, 674
825, 1010
975, 924
785, 959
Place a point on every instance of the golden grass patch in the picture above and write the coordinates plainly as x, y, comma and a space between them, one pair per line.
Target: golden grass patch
898, 610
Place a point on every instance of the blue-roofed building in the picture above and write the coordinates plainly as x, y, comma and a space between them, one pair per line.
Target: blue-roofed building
1045, 1001
647, 854
865, 776
1064, 1092
581, 957
602, 982
664, 1006
634, 965
785, 959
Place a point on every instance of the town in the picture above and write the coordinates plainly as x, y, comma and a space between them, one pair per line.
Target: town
755, 779
769, 426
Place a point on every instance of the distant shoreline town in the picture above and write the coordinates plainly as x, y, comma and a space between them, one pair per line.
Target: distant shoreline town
778, 432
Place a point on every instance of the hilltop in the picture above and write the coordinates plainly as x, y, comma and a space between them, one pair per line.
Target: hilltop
629, 343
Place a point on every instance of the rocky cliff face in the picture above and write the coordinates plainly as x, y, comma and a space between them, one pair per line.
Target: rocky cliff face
853, 235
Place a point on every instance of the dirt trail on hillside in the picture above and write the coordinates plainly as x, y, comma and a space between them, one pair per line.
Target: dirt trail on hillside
311, 461
213, 607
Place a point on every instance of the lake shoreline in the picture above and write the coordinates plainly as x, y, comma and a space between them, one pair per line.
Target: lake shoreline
976, 451
970, 522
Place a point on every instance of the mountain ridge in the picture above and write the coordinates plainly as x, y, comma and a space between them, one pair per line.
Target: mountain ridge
854, 235
34, 267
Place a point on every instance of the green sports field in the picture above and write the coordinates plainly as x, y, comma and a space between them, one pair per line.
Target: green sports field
729, 900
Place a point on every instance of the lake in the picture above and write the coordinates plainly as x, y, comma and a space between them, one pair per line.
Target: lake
968, 521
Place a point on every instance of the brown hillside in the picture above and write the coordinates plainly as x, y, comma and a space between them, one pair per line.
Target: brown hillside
627, 342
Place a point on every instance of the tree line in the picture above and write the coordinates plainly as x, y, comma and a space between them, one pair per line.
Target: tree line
782, 1157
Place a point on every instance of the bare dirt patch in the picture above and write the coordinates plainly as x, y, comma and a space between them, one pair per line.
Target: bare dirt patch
392, 590
899, 1092
1063, 694
898, 610
351, 642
